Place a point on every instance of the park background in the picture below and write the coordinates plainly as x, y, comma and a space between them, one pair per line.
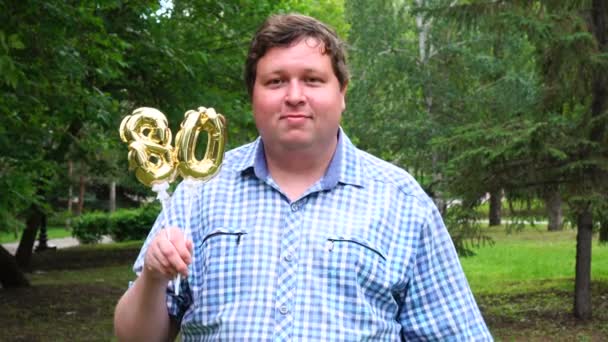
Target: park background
498, 108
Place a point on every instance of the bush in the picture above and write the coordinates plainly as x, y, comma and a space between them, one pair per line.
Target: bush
132, 224
121, 225
91, 227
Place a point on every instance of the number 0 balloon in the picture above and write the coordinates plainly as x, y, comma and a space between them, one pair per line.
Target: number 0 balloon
195, 122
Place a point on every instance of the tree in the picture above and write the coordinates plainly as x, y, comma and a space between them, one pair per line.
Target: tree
562, 141
417, 79
69, 72
518, 94
59, 65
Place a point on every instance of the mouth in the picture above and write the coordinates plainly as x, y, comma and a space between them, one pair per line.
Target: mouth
295, 116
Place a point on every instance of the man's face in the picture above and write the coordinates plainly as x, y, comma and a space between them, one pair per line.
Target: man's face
297, 100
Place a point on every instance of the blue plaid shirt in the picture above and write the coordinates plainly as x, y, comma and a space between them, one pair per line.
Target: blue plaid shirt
361, 255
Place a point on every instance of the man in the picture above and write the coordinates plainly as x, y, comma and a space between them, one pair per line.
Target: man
301, 236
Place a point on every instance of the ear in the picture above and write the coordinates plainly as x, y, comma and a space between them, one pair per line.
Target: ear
343, 92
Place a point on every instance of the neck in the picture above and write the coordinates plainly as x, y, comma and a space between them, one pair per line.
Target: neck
297, 170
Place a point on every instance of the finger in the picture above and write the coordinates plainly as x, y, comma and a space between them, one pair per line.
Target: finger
158, 261
170, 254
182, 246
164, 267
159, 256
184, 250
190, 246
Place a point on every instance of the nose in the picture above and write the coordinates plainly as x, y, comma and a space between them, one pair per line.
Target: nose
295, 93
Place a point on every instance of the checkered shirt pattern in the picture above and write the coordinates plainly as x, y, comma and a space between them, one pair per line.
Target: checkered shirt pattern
363, 255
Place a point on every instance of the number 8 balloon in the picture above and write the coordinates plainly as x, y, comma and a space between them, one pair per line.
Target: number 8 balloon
150, 152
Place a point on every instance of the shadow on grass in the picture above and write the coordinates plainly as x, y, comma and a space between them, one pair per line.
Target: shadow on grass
72, 297
545, 315
79, 312
86, 256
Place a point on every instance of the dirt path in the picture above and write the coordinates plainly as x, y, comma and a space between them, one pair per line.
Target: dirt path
59, 243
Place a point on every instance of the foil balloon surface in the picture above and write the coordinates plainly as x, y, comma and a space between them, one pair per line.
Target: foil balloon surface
151, 155
195, 122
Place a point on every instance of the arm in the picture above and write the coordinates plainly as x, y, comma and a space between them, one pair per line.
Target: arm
141, 314
438, 303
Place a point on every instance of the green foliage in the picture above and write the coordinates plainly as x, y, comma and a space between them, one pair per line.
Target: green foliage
91, 227
132, 224
514, 209
62, 68
121, 225
384, 96
465, 230
556, 137
69, 72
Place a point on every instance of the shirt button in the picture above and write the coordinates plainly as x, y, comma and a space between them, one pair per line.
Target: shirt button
288, 257
295, 207
284, 310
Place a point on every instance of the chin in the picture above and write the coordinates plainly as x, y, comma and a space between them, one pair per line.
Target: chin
296, 144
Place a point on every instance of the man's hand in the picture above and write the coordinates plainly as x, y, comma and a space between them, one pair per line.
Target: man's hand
168, 254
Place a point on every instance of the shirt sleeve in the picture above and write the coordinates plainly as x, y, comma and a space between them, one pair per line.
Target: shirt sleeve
438, 303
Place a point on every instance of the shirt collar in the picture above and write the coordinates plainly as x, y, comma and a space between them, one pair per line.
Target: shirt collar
345, 166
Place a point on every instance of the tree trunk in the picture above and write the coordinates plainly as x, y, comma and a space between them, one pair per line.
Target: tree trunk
604, 232
70, 188
26, 245
582, 284
553, 203
81, 196
426, 51
112, 196
599, 104
43, 237
495, 208
10, 274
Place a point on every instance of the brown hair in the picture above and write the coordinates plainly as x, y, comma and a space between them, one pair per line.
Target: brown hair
286, 29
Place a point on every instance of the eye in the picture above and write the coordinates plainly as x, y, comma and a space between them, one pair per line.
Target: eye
274, 82
314, 81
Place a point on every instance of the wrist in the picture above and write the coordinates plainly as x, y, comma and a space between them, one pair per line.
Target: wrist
153, 279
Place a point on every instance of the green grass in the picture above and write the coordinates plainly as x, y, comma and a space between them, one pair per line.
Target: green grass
523, 285
532, 259
116, 276
52, 233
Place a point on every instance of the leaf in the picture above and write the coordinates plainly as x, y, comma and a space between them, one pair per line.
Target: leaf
15, 42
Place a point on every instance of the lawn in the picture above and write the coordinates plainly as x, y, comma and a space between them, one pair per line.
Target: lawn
72, 296
523, 284
52, 233
530, 260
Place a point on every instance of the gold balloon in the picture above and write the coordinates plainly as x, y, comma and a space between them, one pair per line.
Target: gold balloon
147, 132
203, 119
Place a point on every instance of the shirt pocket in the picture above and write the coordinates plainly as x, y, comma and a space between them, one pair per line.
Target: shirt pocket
355, 270
223, 260
354, 263
221, 250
